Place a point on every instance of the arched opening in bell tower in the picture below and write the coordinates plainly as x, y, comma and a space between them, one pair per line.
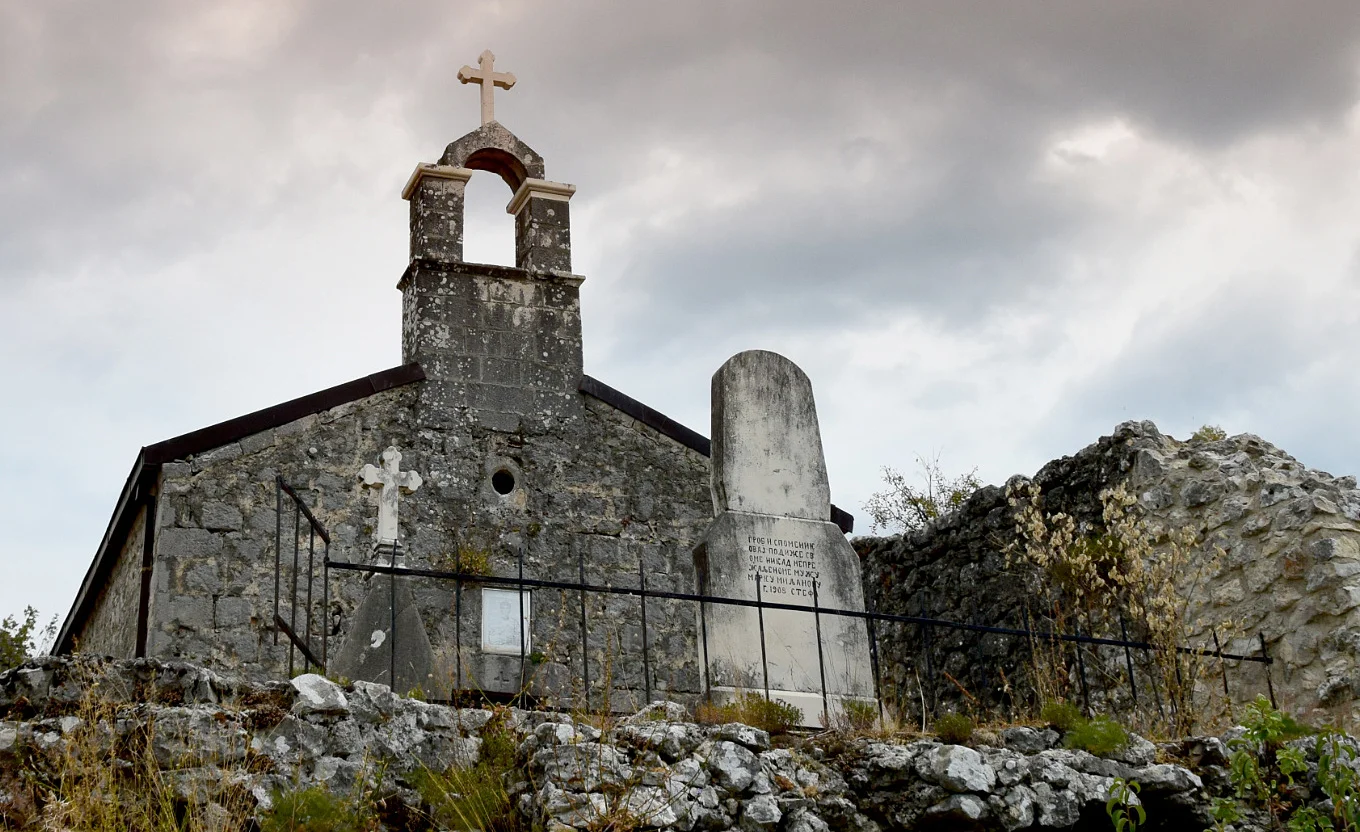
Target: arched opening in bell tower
488, 231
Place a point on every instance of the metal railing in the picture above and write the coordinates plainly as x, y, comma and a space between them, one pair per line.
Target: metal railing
299, 641
302, 640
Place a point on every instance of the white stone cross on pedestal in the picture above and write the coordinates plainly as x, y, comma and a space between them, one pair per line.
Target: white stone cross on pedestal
489, 81
390, 480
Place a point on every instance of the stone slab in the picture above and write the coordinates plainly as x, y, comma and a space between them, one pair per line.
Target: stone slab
767, 447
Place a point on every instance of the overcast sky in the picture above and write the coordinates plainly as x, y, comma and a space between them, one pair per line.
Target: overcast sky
991, 231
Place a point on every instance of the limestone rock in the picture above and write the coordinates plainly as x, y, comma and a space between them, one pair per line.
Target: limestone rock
958, 769
318, 695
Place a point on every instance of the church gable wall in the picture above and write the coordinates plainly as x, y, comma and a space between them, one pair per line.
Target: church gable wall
599, 488
111, 629
213, 590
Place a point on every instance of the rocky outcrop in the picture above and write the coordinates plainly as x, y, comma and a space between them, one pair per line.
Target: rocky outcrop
208, 733
1290, 572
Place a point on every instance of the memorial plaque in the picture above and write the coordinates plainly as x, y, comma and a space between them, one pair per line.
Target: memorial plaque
500, 611
773, 520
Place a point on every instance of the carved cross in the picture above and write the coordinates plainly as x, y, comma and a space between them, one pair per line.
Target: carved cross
390, 480
489, 80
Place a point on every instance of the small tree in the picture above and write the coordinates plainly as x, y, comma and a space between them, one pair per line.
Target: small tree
19, 639
909, 508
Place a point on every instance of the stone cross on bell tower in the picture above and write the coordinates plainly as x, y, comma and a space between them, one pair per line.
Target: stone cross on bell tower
488, 80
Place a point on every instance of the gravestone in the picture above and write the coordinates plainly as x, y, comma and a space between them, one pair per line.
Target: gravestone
387, 642
772, 505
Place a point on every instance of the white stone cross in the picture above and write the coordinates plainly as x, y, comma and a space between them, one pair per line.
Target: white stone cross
390, 480
489, 81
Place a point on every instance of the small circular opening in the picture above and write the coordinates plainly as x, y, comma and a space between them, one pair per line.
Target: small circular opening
503, 481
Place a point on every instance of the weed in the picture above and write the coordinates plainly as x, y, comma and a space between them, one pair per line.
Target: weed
1061, 715
752, 709
1101, 736
859, 715
1268, 774
317, 809
955, 729
1123, 808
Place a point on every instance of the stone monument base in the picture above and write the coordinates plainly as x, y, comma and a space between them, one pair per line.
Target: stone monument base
789, 554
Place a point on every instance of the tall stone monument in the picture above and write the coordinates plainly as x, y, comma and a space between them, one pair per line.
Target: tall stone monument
772, 504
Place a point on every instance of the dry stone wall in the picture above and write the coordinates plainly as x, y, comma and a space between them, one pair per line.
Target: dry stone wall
214, 736
1290, 570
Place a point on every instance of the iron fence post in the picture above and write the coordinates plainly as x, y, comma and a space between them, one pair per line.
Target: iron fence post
311, 579
873, 658
1128, 658
278, 547
1081, 671
760, 615
326, 606
1266, 660
292, 614
703, 634
1223, 669
519, 590
585, 637
642, 601
821, 665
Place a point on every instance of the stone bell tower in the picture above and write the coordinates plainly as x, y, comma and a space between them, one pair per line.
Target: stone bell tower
500, 346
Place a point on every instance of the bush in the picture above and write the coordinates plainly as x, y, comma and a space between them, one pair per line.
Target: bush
1100, 736
1061, 715
903, 506
752, 709
955, 729
1209, 433
317, 809
19, 639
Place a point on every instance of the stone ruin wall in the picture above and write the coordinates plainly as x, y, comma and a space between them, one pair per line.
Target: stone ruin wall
603, 487
1291, 537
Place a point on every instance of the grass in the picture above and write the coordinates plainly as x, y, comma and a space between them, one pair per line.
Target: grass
955, 729
752, 709
1101, 736
317, 809
474, 798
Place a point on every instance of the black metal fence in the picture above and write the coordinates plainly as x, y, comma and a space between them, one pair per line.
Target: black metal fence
302, 641
285, 497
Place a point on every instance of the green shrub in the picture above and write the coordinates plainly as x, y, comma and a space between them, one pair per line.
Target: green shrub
1099, 736
955, 729
19, 640
860, 716
1061, 715
317, 809
752, 709
1209, 433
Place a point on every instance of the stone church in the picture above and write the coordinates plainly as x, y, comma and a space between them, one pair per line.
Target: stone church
523, 462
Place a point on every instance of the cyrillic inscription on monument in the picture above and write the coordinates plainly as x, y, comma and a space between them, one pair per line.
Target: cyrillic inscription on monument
786, 567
